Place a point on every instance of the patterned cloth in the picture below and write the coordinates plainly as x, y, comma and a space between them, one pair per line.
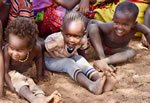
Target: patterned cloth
21, 8
100, 4
52, 20
49, 16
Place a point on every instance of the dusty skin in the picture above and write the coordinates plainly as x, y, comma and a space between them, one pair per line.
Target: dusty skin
127, 90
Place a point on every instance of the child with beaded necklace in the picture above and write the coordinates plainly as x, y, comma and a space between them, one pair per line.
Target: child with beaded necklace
19, 53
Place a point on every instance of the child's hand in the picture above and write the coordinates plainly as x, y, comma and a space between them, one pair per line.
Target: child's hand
102, 66
12, 89
84, 6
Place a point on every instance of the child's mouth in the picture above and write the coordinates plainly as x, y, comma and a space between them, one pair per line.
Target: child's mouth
119, 32
70, 49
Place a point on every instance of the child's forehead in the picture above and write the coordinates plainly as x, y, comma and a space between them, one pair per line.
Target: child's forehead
74, 25
123, 15
14, 39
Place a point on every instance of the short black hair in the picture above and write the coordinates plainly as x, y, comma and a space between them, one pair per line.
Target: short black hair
23, 28
74, 16
127, 7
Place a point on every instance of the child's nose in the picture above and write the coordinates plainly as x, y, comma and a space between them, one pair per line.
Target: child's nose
120, 26
71, 39
15, 53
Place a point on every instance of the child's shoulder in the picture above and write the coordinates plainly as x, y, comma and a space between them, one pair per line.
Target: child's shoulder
37, 49
55, 37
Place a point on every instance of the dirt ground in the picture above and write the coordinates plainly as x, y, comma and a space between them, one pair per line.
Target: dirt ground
133, 85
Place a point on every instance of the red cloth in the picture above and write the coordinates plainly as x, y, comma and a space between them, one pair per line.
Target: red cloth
141, 1
52, 21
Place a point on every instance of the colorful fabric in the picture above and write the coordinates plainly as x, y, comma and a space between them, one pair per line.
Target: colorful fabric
40, 4
100, 4
48, 16
20, 8
52, 20
141, 1
142, 5
106, 14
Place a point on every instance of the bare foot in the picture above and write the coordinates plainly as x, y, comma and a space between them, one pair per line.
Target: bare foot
100, 65
110, 81
55, 97
97, 87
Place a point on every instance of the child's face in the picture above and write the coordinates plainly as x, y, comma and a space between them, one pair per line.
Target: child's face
123, 23
17, 47
74, 33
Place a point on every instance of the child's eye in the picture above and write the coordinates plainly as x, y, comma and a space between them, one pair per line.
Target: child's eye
67, 35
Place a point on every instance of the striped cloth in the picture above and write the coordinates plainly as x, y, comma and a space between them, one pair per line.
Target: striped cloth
21, 8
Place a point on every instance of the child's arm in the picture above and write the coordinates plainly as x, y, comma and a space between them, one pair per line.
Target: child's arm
84, 6
38, 62
1, 63
147, 17
68, 4
145, 30
50, 43
7, 77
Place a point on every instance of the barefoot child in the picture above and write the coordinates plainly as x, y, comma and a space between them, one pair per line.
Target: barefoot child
20, 53
113, 37
62, 54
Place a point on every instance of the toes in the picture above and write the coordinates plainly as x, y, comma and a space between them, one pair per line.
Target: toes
55, 96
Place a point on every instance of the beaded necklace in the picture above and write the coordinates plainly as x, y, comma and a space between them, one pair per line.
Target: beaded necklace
25, 58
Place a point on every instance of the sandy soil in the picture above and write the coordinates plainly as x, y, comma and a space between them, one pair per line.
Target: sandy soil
133, 85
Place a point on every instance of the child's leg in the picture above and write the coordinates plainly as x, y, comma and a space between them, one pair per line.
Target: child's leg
69, 66
120, 57
35, 95
95, 39
93, 75
95, 87
110, 80
26, 93
90, 73
39, 98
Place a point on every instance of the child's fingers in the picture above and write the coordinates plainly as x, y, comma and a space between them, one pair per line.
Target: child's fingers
110, 69
114, 68
108, 73
113, 74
